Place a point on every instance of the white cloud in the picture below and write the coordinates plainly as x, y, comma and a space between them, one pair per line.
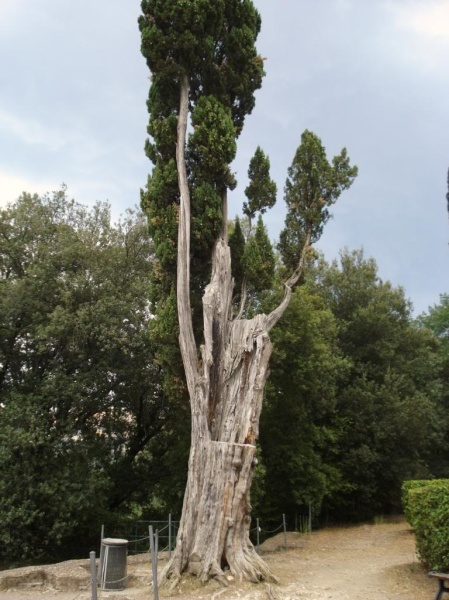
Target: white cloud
11, 186
30, 131
429, 19
75, 138
344, 5
10, 11
421, 32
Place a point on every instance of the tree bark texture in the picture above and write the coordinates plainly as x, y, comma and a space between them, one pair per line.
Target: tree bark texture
226, 380
226, 406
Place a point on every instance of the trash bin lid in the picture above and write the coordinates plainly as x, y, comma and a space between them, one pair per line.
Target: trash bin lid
114, 542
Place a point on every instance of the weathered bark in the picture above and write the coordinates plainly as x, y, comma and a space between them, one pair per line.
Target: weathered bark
214, 529
226, 384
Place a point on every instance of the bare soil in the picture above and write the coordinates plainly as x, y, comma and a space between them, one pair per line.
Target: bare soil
373, 562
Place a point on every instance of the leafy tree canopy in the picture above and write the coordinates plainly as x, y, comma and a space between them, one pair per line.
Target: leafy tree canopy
81, 400
354, 403
261, 191
388, 405
313, 185
213, 44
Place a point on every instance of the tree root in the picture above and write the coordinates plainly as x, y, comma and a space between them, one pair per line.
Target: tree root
218, 575
219, 593
272, 595
170, 576
174, 584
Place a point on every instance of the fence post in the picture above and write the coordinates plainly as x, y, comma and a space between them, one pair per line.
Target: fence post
169, 535
100, 570
257, 535
154, 562
284, 523
93, 575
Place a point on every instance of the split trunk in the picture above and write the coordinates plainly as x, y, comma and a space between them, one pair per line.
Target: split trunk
226, 381
226, 399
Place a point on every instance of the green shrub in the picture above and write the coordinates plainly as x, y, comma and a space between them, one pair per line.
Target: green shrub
407, 486
426, 508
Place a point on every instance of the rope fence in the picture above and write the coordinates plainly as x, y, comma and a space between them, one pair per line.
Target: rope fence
303, 524
150, 543
166, 530
269, 532
99, 588
140, 542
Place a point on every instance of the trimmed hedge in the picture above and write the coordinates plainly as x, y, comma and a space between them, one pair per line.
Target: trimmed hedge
408, 507
426, 508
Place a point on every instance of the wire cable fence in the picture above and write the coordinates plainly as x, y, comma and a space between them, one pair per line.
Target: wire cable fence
302, 524
111, 574
260, 534
153, 537
167, 531
101, 586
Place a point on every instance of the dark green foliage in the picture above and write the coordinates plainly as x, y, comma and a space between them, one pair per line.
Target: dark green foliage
261, 191
255, 259
212, 144
52, 497
213, 43
437, 322
299, 414
312, 187
427, 511
211, 148
258, 259
237, 247
206, 221
81, 400
353, 406
163, 223
407, 501
438, 317
178, 35
388, 404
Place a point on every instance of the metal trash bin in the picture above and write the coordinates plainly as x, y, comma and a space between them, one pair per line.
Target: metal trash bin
113, 564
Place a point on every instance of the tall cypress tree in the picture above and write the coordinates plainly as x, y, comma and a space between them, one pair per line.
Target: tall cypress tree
261, 191
205, 70
313, 185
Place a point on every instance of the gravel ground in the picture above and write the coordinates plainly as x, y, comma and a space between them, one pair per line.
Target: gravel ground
369, 562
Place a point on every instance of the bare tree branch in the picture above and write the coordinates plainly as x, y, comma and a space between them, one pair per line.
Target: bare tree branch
277, 313
186, 335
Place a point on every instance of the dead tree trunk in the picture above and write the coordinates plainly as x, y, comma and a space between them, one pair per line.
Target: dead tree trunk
226, 380
214, 529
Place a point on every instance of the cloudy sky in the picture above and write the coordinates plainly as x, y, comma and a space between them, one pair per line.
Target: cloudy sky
372, 76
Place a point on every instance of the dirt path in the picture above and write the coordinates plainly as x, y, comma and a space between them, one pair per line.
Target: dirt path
369, 562
373, 562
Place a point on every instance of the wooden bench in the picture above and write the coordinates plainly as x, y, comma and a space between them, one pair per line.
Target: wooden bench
442, 578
